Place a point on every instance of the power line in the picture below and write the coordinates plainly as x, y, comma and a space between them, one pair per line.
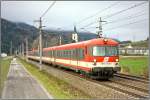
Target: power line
94, 22
125, 24
126, 18
121, 19
116, 13
48, 9
121, 11
118, 26
110, 6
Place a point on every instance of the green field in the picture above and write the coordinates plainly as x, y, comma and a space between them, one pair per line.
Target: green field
59, 89
135, 65
5, 63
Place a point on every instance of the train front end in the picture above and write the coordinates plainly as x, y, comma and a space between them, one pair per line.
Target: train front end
104, 57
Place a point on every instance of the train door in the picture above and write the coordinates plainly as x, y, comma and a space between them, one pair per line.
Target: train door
80, 56
74, 60
77, 59
54, 55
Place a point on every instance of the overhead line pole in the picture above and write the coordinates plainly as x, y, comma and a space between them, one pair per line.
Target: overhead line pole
40, 41
26, 49
100, 28
23, 50
11, 48
40, 31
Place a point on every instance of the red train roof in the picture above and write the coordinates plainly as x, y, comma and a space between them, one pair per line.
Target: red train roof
98, 41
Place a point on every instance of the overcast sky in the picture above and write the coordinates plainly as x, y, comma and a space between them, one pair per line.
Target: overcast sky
131, 24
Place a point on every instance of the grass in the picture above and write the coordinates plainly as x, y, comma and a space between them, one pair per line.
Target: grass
59, 89
135, 65
5, 64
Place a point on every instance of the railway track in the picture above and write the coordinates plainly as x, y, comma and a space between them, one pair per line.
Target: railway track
131, 77
133, 86
121, 86
129, 89
124, 89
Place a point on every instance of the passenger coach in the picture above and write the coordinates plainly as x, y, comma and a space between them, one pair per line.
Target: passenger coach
97, 58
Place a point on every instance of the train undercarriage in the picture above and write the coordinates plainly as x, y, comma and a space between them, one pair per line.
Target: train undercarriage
103, 72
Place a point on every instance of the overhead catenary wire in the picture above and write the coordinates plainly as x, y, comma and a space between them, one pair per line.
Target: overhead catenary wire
94, 22
123, 19
116, 13
53, 3
121, 11
110, 6
138, 14
119, 25
125, 24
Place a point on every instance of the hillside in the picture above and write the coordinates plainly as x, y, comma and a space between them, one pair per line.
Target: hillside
143, 43
17, 32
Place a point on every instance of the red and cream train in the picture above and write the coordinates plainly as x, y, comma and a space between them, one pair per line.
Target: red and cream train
97, 58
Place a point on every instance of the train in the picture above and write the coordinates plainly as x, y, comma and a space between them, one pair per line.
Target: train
97, 58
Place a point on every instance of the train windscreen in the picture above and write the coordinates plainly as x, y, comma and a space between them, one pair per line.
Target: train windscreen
105, 51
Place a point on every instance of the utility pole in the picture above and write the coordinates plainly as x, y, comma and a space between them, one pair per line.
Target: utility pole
40, 31
20, 50
11, 48
60, 40
100, 32
23, 49
46, 44
40, 39
60, 36
27, 49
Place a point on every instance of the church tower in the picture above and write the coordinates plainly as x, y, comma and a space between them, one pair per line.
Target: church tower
74, 35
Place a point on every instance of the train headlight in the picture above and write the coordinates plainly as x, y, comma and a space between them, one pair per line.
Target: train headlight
117, 60
105, 40
94, 62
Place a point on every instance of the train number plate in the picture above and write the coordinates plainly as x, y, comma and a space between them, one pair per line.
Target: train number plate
106, 63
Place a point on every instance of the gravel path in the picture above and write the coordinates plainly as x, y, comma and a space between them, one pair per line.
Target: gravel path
21, 85
93, 89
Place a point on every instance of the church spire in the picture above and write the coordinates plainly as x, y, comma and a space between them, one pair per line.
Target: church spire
75, 30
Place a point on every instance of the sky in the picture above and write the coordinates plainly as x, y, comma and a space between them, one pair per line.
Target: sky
131, 24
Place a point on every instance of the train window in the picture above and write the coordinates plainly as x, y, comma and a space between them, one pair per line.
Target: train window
98, 51
60, 54
80, 53
74, 54
63, 54
51, 53
105, 50
111, 50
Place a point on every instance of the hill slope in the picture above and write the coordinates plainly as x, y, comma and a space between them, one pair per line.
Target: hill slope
17, 32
